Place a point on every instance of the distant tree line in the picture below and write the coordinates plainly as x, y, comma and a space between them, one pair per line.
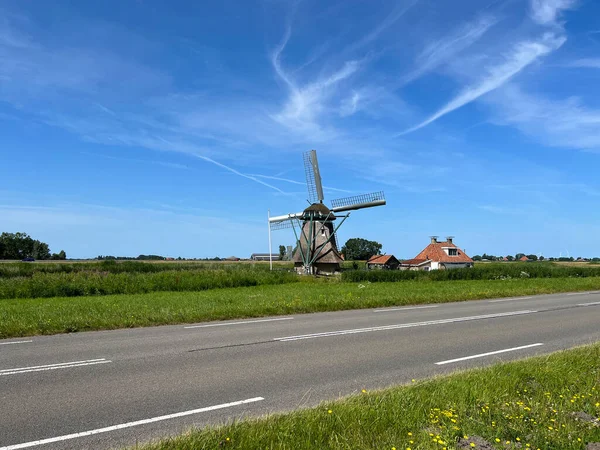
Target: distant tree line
153, 258
21, 245
518, 256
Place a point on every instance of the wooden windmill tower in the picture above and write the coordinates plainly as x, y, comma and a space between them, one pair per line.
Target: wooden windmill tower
315, 228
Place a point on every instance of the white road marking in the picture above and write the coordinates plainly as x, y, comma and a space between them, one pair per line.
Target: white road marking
576, 293
15, 342
588, 304
129, 424
508, 299
238, 323
404, 325
405, 308
481, 355
66, 365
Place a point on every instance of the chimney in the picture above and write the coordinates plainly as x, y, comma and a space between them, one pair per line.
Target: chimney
449, 239
434, 239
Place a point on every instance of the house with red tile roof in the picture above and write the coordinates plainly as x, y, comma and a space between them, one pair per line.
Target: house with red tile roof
438, 256
524, 258
383, 262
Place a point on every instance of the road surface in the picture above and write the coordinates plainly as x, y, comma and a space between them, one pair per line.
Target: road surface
116, 388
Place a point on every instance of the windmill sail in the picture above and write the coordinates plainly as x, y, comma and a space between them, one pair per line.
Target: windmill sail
358, 202
313, 177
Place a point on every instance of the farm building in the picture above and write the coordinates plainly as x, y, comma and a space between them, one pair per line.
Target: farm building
264, 256
438, 256
383, 262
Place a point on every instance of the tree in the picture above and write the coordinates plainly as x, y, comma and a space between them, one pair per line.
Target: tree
519, 256
281, 252
21, 245
510, 257
476, 258
532, 257
361, 249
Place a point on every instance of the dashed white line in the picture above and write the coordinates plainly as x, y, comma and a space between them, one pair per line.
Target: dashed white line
129, 424
481, 355
588, 304
395, 327
239, 323
405, 308
15, 342
65, 365
509, 299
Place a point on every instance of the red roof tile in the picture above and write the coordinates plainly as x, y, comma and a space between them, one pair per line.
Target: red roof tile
382, 259
435, 252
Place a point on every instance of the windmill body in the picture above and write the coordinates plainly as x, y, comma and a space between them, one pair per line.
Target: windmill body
317, 251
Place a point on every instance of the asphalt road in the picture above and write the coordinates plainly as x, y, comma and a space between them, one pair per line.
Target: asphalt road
116, 388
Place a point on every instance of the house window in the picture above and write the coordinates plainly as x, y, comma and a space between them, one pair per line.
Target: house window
452, 252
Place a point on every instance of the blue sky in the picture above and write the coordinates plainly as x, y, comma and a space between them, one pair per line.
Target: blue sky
171, 127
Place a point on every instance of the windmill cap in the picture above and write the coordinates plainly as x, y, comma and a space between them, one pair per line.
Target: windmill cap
318, 211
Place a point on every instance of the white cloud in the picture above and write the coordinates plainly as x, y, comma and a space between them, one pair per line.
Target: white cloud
546, 12
522, 55
585, 63
558, 123
442, 50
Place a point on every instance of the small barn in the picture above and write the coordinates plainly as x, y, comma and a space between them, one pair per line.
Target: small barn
385, 262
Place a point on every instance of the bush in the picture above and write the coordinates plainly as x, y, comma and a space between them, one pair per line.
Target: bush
479, 272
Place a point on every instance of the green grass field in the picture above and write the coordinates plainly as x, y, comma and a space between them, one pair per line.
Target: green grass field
529, 404
26, 317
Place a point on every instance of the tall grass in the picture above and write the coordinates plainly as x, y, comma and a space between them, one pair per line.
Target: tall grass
21, 269
479, 272
80, 283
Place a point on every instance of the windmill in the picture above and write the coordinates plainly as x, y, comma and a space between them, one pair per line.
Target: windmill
315, 228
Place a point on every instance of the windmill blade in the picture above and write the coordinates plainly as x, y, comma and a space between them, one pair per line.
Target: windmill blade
281, 225
285, 217
358, 202
313, 177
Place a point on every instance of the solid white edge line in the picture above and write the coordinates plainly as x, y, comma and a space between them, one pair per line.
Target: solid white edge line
15, 342
399, 326
52, 365
238, 323
588, 304
508, 299
405, 308
578, 293
129, 424
55, 367
481, 355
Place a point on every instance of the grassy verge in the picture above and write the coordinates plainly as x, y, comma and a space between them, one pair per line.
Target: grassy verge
26, 317
526, 404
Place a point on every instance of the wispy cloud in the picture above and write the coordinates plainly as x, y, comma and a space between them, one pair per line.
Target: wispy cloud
305, 103
444, 49
393, 17
546, 12
521, 56
287, 180
585, 63
558, 123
